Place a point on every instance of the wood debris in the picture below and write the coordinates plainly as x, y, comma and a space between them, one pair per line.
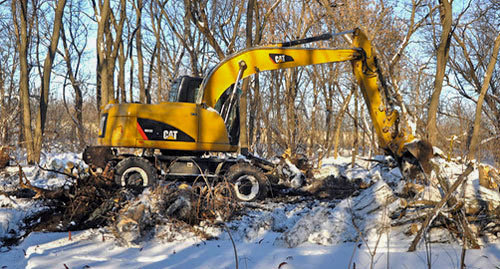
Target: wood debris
4, 156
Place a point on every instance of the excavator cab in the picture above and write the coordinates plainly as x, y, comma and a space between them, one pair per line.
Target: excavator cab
184, 89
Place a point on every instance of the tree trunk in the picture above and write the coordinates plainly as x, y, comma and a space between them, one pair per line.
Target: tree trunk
329, 112
443, 49
121, 73
102, 60
144, 96
78, 91
150, 74
291, 95
479, 107
355, 144
107, 48
22, 42
246, 82
159, 70
338, 123
312, 132
47, 70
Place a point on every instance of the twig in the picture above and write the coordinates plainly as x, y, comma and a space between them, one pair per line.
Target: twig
232, 241
4, 193
57, 172
353, 253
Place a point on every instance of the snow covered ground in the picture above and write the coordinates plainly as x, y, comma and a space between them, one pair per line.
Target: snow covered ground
87, 250
296, 233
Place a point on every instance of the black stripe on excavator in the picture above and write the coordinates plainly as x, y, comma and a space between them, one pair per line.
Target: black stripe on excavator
156, 130
102, 125
280, 58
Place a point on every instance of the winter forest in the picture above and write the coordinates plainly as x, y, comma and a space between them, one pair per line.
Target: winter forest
62, 60
336, 196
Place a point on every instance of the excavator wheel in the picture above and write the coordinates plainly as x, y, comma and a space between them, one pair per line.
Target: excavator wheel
135, 172
249, 183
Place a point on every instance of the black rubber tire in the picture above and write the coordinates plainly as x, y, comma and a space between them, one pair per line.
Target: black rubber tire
255, 182
135, 172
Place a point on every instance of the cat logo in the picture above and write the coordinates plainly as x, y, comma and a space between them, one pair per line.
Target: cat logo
170, 135
280, 58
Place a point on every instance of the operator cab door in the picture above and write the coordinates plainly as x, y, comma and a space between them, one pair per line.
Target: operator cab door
184, 89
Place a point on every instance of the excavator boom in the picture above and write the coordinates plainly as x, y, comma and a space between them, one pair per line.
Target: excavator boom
392, 134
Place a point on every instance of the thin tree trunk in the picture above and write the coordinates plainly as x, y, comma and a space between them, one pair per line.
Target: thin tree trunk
246, 83
22, 42
269, 128
355, 121
328, 121
479, 107
291, 95
107, 48
102, 60
122, 58
338, 123
144, 96
131, 77
150, 73
159, 70
78, 91
47, 70
445, 11
313, 131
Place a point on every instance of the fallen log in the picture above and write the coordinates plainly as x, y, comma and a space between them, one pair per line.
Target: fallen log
40, 192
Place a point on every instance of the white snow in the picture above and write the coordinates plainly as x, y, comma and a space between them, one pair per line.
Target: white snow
87, 250
304, 233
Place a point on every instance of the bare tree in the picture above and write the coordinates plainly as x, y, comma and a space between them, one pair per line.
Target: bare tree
107, 46
20, 18
47, 70
473, 44
484, 88
9, 101
442, 53
144, 96
73, 56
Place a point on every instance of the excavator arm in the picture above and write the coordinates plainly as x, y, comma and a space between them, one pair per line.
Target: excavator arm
393, 136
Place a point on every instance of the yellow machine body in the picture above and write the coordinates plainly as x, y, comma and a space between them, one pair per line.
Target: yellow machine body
198, 127
168, 125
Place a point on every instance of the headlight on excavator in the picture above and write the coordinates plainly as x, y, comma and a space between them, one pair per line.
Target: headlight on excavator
102, 125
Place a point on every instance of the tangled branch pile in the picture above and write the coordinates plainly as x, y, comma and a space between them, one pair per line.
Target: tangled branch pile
94, 200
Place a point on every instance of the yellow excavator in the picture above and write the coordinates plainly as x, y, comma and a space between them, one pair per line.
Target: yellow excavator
202, 116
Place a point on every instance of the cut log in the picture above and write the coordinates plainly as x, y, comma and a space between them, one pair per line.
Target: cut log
4, 156
487, 177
